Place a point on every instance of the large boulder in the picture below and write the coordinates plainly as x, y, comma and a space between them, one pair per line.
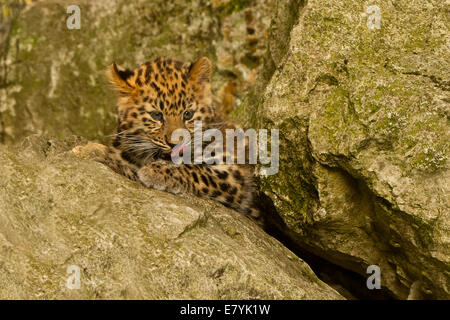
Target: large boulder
52, 78
363, 114
60, 214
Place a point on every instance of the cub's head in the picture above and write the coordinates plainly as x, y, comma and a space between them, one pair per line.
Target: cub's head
159, 97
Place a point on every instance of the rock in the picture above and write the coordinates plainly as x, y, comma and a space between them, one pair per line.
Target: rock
129, 242
363, 115
52, 78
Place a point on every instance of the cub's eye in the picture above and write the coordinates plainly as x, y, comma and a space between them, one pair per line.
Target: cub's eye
156, 115
187, 115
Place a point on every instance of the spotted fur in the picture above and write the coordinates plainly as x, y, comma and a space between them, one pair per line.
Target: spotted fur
153, 101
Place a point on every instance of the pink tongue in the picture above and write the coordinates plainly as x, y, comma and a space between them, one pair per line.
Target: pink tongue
178, 150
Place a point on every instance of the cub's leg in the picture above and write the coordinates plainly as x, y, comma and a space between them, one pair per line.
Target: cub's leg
109, 156
231, 185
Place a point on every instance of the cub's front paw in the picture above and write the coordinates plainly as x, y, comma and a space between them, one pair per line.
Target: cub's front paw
155, 176
92, 151
150, 178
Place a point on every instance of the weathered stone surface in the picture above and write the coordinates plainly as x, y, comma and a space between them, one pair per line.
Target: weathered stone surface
363, 116
364, 124
52, 78
57, 210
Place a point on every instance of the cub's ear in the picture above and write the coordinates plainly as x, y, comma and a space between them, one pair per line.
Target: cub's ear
199, 77
121, 79
200, 71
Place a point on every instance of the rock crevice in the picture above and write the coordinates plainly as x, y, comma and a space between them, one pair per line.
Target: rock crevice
363, 148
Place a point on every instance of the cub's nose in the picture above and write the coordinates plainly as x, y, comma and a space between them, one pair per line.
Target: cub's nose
173, 142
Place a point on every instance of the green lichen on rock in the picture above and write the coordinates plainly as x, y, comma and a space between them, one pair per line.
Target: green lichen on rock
363, 118
368, 107
52, 78
129, 242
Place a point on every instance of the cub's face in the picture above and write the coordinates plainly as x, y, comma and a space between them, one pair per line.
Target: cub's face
157, 98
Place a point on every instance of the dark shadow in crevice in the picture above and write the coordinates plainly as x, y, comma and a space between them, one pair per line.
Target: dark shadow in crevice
348, 283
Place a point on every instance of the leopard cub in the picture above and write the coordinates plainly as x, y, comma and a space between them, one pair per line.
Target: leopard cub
155, 99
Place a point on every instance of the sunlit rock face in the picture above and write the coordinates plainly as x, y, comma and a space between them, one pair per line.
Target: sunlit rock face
358, 90
360, 96
60, 214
